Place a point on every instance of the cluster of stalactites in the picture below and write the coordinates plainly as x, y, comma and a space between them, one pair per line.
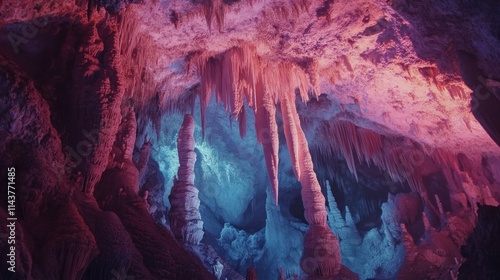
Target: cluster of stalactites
214, 9
401, 162
366, 145
239, 74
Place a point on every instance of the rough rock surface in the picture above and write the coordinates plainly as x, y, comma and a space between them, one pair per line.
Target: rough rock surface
184, 216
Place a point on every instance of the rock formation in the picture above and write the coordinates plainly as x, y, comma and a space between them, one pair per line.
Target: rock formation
184, 216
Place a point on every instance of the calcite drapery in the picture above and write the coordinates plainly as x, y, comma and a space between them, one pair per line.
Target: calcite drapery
184, 216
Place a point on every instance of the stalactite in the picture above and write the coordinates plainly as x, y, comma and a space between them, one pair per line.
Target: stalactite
184, 216
314, 202
214, 9
439, 204
346, 137
401, 162
351, 141
267, 135
239, 73
290, 135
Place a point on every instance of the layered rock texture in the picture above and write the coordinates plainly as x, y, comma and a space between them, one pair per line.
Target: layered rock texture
184, 214
388, 109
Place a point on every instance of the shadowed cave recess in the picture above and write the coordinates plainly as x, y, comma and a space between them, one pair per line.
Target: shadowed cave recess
214, 139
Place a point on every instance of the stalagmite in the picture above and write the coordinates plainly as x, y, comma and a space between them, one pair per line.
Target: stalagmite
348, 218
184, 216
427, 224
439, 204
409, 245
335, 220
217, 269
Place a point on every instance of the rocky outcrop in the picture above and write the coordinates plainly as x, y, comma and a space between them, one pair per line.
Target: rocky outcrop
45, 212
184, 216
113, 241
96, 99
156, 254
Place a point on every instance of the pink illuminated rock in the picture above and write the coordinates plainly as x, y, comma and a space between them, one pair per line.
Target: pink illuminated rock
320, 258
184, 216
95, 100
314, 201
267, 135
408, 244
